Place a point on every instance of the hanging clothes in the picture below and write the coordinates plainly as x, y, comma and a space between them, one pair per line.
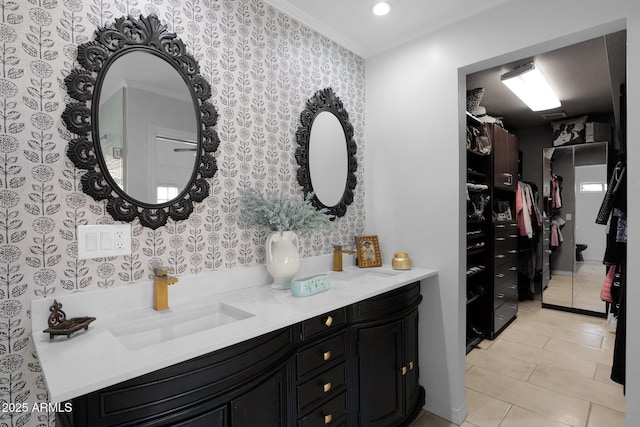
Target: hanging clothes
523, 211
615, 195
613, 211
556, 192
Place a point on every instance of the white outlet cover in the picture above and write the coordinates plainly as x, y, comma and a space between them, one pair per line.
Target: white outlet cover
105, 240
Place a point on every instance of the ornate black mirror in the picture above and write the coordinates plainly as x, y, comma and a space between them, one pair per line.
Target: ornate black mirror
144, 126
326, 153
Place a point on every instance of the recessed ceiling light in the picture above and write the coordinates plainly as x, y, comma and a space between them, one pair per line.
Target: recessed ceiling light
381, 8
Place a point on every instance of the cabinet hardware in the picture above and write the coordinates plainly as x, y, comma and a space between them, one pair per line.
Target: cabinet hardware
500, 296
411, 366
513, 236
513, 268
500, 256
500, 275
514, 251
326, 355
500, 317
500, 226
329, 321
328, 419
513, 287
404, 370
326, 387
501, 239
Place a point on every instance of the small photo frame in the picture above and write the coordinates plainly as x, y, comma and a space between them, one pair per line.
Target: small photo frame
368, 250
504, 210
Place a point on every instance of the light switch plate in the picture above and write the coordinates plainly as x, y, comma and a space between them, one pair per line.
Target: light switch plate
98, 241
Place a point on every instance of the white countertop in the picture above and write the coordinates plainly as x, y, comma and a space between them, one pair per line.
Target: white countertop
93, 359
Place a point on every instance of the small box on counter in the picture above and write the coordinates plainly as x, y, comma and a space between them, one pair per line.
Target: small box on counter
306, 286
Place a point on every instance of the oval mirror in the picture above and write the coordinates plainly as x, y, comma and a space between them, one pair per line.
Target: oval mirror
148, 128
326, 153
143, 122
328, 164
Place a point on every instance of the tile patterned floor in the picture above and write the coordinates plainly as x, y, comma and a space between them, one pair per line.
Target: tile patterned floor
581, 291
547, 369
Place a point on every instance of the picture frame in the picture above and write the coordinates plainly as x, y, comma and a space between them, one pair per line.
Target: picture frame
368, 251
504, 211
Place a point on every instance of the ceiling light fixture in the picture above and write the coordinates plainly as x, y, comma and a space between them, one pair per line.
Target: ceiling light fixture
381, 8
528, 83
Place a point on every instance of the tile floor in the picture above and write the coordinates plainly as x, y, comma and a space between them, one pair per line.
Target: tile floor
581, 291
547, 369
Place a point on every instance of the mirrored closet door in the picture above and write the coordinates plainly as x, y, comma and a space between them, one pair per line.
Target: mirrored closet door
574, 184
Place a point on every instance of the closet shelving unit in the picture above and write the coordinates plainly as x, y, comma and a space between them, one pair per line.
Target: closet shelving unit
492, 235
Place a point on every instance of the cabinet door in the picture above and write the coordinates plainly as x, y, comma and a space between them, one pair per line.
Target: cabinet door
505, 159
265, 405
381, 387
411, 361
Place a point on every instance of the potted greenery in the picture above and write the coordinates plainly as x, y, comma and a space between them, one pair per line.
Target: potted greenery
286, 217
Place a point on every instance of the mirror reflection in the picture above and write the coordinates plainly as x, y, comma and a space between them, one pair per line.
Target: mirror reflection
575, 182
328, 163
148, 128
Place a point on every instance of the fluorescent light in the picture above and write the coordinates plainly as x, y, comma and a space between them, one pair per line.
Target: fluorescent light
528, 83
381, 8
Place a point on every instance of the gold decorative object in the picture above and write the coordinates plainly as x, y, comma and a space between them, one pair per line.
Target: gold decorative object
60, 325
401, 261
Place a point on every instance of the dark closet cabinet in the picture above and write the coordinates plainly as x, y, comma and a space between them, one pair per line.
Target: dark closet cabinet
353, 366
492, 232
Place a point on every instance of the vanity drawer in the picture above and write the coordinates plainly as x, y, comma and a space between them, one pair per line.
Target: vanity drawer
390, 303
321, 387
320, 355
505, 313
324, 323
333, 414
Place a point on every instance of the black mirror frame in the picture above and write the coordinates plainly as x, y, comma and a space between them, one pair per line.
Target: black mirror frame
325, 100
81, 117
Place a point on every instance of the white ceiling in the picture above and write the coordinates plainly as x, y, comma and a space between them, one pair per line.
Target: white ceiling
351, 23
587, 76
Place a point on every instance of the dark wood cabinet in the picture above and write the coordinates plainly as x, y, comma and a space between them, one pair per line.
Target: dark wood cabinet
387, 358
354, 366
492, 234
505, 158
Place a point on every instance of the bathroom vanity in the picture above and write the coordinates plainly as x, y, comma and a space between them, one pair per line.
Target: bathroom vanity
347, 356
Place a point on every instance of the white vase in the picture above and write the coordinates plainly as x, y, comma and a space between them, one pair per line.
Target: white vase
283, 258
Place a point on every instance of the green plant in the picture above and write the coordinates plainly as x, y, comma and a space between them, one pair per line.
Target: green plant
282, 213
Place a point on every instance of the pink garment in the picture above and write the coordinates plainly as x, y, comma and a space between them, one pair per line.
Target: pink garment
523, 212
555, 240
605, 292
556, 201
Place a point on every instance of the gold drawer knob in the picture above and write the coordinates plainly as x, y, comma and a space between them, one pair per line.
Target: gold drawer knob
326, 355
326, 387
328, 419
411, 366
329, 321
404, 370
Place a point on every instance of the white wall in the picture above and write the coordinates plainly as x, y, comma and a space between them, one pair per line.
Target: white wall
414, 166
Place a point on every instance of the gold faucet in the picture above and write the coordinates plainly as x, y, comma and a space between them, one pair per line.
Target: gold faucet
337, 257
161, 282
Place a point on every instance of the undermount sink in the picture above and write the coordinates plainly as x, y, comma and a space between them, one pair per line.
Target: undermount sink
147, 327
364, 275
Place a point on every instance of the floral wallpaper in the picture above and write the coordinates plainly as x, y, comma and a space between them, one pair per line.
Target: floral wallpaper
262, 66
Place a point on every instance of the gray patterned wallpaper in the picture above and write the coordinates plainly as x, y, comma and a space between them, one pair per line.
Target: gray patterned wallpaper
262, 66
